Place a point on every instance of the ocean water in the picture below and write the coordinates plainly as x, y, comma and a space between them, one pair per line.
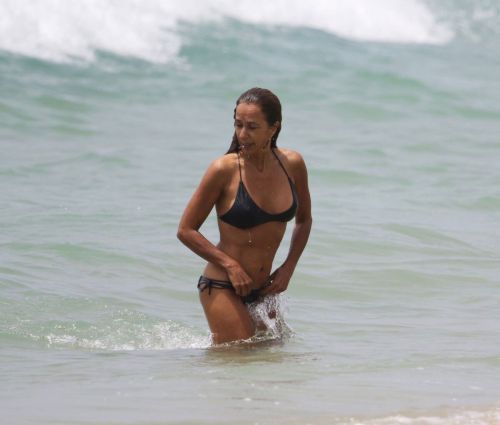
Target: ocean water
109, 114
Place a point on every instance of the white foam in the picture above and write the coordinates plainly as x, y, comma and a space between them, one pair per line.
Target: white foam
62, 30
270, 312
466, 417
402, 21
128, 336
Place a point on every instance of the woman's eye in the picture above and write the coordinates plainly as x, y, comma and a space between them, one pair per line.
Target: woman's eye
249, 127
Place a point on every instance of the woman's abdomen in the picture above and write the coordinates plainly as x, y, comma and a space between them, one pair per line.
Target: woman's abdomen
254, 249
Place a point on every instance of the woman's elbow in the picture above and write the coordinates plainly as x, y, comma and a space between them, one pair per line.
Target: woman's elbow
307, 220
182, 234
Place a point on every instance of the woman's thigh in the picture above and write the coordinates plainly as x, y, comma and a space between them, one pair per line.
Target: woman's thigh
227, 316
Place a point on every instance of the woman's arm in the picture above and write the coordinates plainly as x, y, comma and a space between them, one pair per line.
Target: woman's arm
303, 222
203, 200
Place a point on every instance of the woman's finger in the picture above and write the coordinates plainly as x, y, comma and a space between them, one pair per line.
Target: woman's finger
243, 287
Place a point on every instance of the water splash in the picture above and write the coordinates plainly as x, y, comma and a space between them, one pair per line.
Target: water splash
123, 330
161, 336
269, 315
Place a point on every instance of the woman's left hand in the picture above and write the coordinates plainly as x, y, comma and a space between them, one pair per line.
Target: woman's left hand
277, 282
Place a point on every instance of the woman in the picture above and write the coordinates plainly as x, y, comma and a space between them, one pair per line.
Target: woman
256, 188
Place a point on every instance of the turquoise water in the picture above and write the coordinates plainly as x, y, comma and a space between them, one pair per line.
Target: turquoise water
109, 115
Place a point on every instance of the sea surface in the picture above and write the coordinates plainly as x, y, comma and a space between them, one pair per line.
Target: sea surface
110, 112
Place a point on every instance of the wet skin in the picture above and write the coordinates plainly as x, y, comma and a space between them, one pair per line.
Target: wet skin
245, 256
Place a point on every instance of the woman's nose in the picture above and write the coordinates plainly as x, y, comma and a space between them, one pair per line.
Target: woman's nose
243, 132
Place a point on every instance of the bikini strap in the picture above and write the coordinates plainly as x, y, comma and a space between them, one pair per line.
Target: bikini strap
239, 165
284, 169
205, 282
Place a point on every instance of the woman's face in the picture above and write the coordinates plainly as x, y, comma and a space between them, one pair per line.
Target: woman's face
251, 128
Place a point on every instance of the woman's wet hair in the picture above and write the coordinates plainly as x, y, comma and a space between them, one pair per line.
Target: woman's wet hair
270, 106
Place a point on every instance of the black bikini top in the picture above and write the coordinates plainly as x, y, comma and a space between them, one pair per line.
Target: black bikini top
245, 213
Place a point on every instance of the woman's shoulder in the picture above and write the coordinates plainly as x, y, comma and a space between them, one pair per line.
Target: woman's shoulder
292, 158
295, 165
224, 165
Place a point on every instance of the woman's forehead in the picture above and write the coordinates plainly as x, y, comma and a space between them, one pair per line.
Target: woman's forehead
249, 112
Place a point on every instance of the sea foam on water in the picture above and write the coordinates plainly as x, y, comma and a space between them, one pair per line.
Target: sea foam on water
61, 31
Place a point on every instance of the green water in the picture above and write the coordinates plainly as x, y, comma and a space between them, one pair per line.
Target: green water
394, 306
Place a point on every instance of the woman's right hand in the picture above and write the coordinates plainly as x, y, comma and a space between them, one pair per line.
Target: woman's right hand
242, 283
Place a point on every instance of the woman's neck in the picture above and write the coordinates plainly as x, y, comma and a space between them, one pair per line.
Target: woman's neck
259, 159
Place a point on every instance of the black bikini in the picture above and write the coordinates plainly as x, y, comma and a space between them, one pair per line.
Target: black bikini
205, 282
244, 214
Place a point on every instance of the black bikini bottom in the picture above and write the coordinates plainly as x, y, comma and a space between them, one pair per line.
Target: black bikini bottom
205, 282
